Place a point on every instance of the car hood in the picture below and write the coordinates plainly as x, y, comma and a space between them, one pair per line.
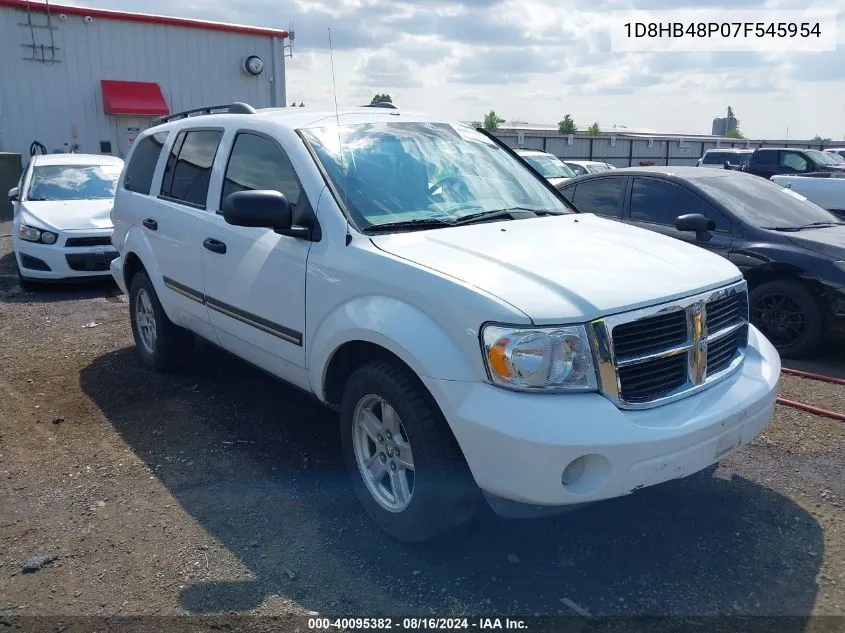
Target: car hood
71, 214
565, 268
829, 241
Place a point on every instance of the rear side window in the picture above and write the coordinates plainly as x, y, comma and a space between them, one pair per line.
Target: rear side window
258, 163
768, 157
142, 165
602, 196
719, 158
189, 165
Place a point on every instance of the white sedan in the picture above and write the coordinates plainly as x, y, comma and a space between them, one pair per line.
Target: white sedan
62, 226
582, 167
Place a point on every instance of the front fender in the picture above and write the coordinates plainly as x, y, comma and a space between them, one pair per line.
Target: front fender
135, 242
399, 327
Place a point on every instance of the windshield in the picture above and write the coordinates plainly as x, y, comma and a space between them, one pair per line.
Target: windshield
405, 172
823, 158
595, 168
762, 203
550, 166
73, 182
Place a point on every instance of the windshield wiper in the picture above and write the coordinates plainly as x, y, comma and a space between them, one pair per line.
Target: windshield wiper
419, 223
812, 225
501, 213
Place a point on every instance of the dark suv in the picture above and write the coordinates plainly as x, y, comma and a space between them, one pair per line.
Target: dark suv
773, 161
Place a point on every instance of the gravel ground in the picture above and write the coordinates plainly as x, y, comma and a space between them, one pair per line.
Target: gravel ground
220, 490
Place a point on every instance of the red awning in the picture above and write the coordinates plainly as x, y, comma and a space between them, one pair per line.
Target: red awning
133, 97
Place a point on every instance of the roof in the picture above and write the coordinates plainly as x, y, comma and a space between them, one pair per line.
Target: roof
145, 18
301, 118
76, 159
680, 171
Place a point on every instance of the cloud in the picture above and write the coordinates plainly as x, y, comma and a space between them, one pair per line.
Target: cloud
384, 70
493, 66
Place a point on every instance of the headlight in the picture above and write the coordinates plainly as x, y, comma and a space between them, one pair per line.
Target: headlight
31, 234
548, 359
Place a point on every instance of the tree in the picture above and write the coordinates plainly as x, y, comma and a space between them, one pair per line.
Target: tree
492, 121
594, 129
730, 112
823, 140
734, 133
567, 125
476, 124
301, 105
380, 98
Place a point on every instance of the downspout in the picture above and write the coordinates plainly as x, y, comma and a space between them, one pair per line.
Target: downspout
274, 69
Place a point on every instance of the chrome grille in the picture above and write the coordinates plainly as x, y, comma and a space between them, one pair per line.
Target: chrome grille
659, 354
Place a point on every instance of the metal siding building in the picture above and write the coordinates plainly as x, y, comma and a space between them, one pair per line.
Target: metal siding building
67, 74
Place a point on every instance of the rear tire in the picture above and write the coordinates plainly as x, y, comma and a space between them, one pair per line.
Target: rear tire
389, 420
788, 314
159, 342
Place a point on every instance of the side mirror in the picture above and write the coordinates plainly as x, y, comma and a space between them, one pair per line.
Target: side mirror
694, 222
264, 209
14, 194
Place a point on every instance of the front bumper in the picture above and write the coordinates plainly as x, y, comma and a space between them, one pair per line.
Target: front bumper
58, 262
518, 445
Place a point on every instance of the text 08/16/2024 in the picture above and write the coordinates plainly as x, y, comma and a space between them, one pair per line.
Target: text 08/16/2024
723, 30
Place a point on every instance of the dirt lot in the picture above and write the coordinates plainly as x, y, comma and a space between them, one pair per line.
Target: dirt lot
220, 490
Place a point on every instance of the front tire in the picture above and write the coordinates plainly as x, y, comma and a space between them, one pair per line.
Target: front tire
406, 467
159, 342
788, 315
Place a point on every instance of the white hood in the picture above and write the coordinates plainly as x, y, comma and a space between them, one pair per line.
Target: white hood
71, 214
565, 268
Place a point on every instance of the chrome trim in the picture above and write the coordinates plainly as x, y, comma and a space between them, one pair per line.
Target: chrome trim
695, 347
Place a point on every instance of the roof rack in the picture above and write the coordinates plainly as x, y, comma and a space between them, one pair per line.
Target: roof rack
232, 108
382, 104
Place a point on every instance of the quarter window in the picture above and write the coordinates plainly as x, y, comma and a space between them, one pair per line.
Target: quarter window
602, 196
258, 163
188, 170
661, 202
142, 164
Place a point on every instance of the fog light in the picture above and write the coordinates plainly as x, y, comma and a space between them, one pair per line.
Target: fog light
586, 475
48, 237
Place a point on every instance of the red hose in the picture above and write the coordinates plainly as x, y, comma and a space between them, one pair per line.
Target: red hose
811, 409
807, 407
805, 374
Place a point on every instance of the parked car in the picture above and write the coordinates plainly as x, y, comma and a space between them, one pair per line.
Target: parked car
791, 251
838, 153
479, 339
773, 161
716, 158
581, 167
826, 189
61, 229
547, 165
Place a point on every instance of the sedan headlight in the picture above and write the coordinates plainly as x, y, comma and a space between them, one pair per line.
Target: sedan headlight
31, 234
546, 359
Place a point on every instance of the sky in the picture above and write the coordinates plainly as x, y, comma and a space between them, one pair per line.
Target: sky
535, 61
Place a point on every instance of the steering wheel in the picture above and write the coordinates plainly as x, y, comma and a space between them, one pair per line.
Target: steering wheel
453, 179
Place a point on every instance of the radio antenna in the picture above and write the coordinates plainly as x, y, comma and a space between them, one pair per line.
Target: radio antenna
339, 138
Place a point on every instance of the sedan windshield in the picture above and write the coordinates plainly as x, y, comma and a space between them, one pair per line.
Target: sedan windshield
73, 182
595, 168
763, 203
426, 174
550, 166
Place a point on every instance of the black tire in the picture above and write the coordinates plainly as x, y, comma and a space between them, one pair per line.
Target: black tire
444, 494
803, 337
173, 346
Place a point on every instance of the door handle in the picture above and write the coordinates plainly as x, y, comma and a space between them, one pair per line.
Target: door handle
215, 246
150, 224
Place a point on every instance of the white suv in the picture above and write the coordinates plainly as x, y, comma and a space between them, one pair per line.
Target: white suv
479, 339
